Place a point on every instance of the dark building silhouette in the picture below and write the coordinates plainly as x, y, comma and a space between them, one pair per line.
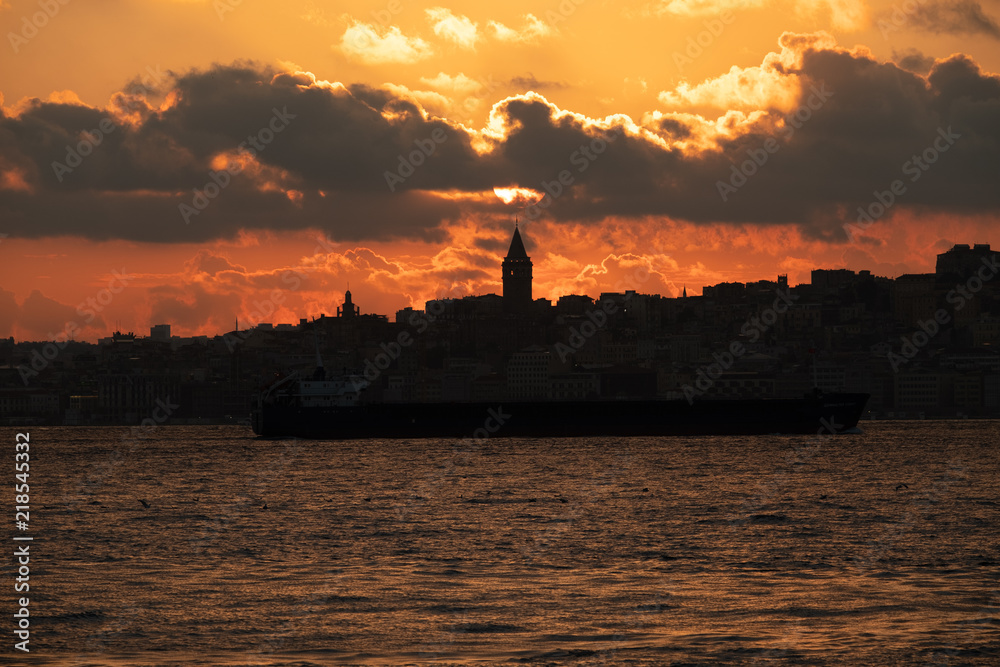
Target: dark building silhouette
348, 309
517, 276
924, 344
830, 281
961, 261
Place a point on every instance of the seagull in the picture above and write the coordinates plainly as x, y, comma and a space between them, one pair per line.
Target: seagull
144, 503
901, 485
264, 506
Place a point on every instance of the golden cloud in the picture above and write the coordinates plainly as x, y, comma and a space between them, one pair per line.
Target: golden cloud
363, 43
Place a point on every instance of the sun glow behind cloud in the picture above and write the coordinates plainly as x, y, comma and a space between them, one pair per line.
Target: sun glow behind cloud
516, 195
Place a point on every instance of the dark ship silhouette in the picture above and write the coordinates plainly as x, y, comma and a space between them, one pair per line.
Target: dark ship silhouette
333, 408
303, 409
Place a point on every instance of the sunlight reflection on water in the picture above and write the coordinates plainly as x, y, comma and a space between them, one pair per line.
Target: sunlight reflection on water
579, 551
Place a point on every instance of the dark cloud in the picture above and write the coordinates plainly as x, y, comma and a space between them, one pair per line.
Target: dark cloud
828, 162
965, 17
211, 263
335, 149
326, 168
44, 318
913, 60
529, 82
674, 128
492, 244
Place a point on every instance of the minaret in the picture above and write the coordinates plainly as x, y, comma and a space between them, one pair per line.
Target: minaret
517, 276
348, 309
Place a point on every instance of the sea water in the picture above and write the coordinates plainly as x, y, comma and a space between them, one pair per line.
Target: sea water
879, 548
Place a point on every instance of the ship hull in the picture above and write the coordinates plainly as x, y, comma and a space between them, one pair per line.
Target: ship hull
830, 413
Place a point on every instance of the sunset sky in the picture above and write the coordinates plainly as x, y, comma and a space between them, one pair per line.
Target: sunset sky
232, 157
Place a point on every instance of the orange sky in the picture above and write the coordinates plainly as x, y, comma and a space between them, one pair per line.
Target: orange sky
833, 99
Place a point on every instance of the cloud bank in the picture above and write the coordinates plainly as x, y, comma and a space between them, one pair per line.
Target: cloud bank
837, 126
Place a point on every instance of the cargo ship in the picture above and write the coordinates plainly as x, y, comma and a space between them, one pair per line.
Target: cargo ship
332, 409
316, 407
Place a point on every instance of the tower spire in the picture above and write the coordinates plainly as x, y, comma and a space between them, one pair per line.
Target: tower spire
348, 309
517, 275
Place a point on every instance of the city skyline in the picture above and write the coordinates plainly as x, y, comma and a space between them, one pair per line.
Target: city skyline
922, 344
516, 292
388, 145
